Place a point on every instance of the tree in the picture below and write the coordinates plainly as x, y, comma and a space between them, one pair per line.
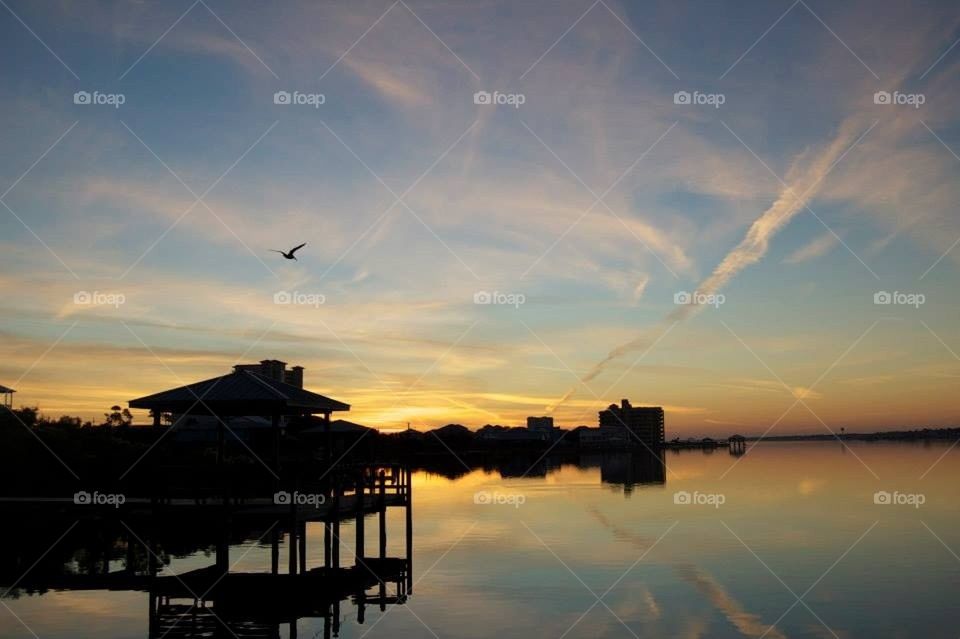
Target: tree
117, 417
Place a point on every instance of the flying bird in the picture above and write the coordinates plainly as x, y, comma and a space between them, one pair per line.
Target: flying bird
290, 254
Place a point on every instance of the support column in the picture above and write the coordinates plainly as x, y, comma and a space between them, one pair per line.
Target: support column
409, 531
275, 551
303, 547
328, 439
383, 514
359, 546
327, 541
292, 546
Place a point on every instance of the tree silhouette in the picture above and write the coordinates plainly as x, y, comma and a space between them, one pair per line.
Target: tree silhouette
117, 417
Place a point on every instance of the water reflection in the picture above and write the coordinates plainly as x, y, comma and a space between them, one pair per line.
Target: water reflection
589, 524
133, 548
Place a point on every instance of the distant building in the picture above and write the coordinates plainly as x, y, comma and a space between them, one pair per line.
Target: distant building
540, 424
633, 424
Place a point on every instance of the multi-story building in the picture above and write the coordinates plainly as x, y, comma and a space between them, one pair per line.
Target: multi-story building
540, 424
637, 425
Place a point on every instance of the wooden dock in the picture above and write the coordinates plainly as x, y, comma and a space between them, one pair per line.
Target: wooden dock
209, 600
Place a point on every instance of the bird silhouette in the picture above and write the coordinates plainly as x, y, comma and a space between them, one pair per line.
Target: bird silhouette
290, 254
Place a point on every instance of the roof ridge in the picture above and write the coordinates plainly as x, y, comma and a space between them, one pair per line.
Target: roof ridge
263, 379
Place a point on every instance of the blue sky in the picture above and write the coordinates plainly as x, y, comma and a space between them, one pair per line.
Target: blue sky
598, 200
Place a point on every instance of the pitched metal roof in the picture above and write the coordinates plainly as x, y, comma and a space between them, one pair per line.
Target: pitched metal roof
239, 392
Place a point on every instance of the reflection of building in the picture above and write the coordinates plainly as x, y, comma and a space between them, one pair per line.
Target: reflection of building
634, 424
633, 468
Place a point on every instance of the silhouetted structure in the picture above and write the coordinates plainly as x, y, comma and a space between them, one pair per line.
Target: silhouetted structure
737, 444
213, 601
633, 424
635, 468
7, 396
540, 424
265, 390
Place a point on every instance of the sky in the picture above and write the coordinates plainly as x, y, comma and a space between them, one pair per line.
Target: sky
742, 211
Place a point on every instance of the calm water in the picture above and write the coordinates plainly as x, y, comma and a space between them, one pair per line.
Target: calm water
574, 553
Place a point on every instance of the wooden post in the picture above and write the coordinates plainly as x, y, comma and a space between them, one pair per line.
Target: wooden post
152, 561
335, 541
152, 619
131, 555
292, 546
383, 515
358, 548
336, 617
328, 439
303, 547
326, 542
409, 536
275, 551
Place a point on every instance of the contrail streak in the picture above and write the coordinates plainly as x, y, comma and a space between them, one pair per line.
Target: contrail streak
801, 185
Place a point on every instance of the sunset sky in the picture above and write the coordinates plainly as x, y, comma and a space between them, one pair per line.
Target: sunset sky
597, 203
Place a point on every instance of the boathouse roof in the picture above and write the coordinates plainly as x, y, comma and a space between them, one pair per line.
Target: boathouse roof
242, 392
